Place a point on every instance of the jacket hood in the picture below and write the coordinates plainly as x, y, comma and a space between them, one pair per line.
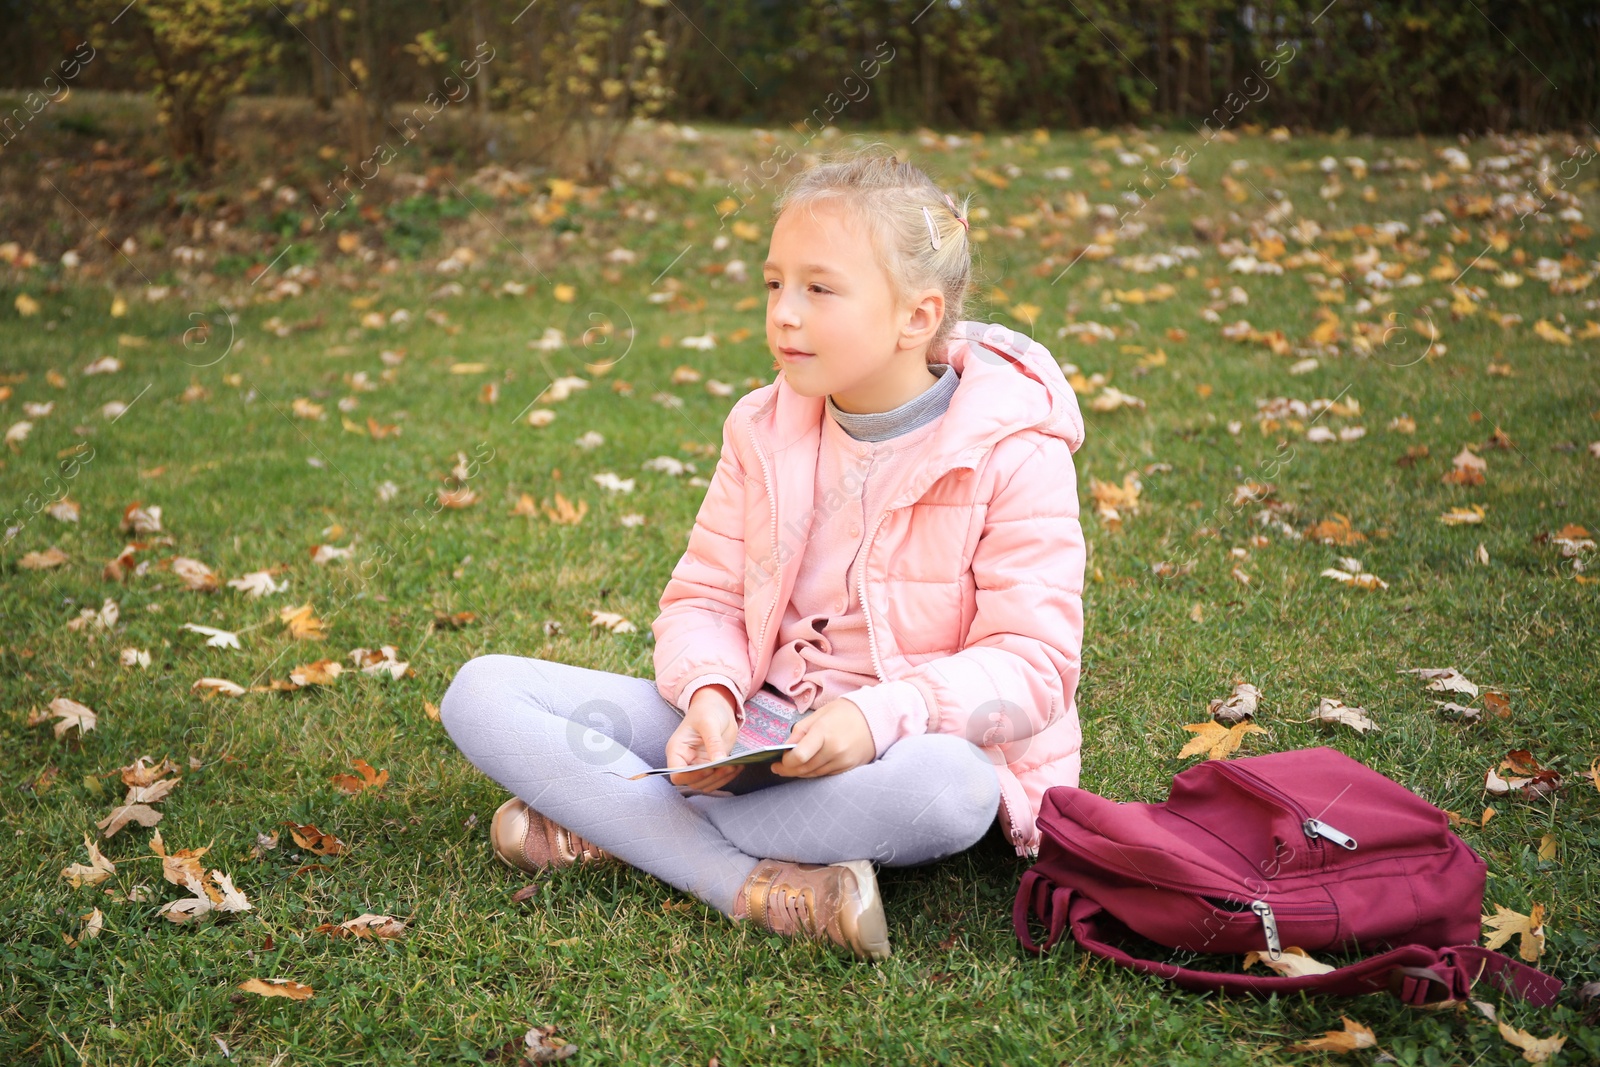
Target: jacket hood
1009, 383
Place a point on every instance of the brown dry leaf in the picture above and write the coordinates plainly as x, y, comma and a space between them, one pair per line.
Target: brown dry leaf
1215, 740
322, 672
1497, 704
1469, 516
154, 793
196, 575
1111, 499
40, 561
1530, 928
315, 841
370, 779
1352, 1037
457, 498
277, 987
1547, 331
142, 814
138, 519
381, 661
1238, 707
71, 713
1443, 679
302, 624
431, 710
373, 927
540, 1045
1534, 1049
1468, 469
1334, 712
209, 687
380, 431
1335, 531
181, 867
564, 513
97, 870
1293, 963
142, 771
93, 923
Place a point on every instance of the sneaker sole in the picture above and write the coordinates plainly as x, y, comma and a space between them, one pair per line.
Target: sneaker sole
869, 931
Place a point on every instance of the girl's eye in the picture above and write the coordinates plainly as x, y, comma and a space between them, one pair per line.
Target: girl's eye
813, 285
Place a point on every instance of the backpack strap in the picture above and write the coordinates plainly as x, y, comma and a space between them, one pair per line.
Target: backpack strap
1416, 974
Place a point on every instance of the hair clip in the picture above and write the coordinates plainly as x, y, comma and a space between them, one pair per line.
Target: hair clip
954, 212
933, 231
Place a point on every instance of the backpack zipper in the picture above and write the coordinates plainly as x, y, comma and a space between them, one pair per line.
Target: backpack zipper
1315, 828
1269, 926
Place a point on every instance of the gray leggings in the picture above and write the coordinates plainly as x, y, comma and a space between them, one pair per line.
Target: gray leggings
550, 731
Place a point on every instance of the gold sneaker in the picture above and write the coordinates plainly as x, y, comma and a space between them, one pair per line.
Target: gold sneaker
527, 841
836, 902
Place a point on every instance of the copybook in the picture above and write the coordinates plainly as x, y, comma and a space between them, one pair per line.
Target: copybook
762, 740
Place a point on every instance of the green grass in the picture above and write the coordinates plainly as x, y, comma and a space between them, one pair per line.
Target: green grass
637, 976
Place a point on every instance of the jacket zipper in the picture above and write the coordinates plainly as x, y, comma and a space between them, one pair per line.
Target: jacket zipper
872, 645
772, 498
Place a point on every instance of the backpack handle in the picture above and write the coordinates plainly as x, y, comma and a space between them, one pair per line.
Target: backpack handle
1416, 974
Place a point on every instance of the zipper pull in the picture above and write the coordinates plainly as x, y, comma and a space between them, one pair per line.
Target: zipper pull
1269, 925
1318, 828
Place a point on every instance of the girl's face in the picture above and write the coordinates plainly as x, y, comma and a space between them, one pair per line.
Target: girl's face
828, 297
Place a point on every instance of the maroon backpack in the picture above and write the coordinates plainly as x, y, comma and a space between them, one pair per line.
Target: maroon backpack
1307, 848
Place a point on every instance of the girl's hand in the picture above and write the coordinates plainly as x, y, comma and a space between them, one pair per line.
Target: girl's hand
831, 740
707, 733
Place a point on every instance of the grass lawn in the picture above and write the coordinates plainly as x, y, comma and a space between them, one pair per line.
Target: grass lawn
623, 966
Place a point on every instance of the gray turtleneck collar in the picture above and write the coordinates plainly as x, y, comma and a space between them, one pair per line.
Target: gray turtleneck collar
922, 408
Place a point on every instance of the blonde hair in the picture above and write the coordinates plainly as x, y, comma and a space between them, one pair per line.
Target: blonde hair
901, 209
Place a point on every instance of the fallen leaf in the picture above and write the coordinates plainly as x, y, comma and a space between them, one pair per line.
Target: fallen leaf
1334, 712
71, 713
322, 672
1352, 1037
369, 926
302, 624
142, 814
381, 661
1443, 679
1238, 707
258, 584
97, 870
210, 686
369, 779
1534, 1049
39, 561
315, 841
214, 637
1463, 516
611, 621
277, 987
196, 575
1293, 962
1504, 923
1215, 740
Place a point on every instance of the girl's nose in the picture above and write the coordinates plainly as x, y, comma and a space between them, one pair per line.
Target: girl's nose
784, 312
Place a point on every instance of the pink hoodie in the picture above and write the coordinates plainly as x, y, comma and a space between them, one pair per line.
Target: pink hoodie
971, 578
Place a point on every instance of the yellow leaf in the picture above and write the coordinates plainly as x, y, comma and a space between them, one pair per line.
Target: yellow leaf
26, 305
566, 294
1534, 1049
1551, 333
1215, 740
1505, 922
277, 987
1352, 1037
1547, 847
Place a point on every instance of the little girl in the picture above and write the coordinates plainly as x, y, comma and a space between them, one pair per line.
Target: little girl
890, 544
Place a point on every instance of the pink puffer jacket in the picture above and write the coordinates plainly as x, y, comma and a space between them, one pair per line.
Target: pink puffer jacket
972, 578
